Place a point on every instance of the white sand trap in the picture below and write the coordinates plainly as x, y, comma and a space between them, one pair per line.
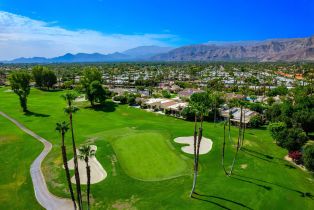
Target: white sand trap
205, 147
98, 173
8, 91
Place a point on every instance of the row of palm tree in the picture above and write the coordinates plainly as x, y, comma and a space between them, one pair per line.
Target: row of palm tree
241, 135
85, 153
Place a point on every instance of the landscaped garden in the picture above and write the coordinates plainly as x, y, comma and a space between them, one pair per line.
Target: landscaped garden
146, 168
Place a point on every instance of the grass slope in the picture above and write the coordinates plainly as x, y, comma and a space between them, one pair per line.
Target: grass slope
17, 150
149, 157
262, 180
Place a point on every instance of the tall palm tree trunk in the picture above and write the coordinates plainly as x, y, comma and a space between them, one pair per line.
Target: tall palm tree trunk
67, 172
195, 159
199, 138
76, 173
243, 130
200, 135
88, 182
223, 150
238, 143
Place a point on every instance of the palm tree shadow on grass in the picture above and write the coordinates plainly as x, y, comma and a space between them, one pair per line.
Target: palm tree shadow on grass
224, 199
50, 90
212, 202
30, 113
302, 194
250, 182
108, 106
266, 157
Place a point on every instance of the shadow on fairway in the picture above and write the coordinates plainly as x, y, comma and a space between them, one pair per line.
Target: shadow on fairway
302, 194
108, 106
30, 113
50, 90
267, 157
250, 182
212, 202
224, 199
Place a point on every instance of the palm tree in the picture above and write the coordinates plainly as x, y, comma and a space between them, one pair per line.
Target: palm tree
193, 106
200, 103
69, 97
87, 152
63, 128
238, 142
223, 150
240, 134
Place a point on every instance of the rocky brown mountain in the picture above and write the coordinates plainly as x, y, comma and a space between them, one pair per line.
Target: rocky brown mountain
298, 49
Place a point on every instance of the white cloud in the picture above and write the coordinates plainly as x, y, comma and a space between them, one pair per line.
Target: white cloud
21, 36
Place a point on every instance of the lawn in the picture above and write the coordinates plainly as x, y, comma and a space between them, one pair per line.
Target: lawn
149, 157
17, 150
261, 180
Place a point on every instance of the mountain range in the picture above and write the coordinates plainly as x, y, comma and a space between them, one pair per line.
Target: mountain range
296, 49
142, 53
299, 49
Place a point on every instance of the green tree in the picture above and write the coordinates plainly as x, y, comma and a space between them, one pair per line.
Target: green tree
86, 152
91, 82
256, 121
62, 128
69, 97
48, 78
293, 139
306, 119
37, 72
96, 93
308, 157
165, 94
276, 129
20, 84
215, 100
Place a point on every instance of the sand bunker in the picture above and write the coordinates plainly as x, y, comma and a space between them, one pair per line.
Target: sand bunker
205, 147
98, 173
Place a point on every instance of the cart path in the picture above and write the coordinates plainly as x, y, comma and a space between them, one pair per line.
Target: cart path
43, 196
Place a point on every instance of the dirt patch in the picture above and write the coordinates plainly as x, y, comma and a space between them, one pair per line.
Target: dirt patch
287, 158
127, 204
243, 166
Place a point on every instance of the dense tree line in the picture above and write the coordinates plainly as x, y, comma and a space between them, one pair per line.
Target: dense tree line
292, 121
43, 77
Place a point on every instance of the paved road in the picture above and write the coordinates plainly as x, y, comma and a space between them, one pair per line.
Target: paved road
43, 196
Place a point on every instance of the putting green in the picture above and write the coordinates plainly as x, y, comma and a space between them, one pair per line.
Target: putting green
149, 157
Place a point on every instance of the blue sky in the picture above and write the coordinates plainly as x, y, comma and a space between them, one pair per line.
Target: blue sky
44, 27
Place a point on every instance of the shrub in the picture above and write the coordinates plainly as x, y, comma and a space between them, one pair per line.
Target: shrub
188, 113
165, 94
308, 157
256, 121
122, 99
295, 138
131, 100
275, 129
296, 156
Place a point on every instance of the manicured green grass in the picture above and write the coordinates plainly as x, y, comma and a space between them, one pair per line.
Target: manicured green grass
17, 150
261, 180
148, 156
